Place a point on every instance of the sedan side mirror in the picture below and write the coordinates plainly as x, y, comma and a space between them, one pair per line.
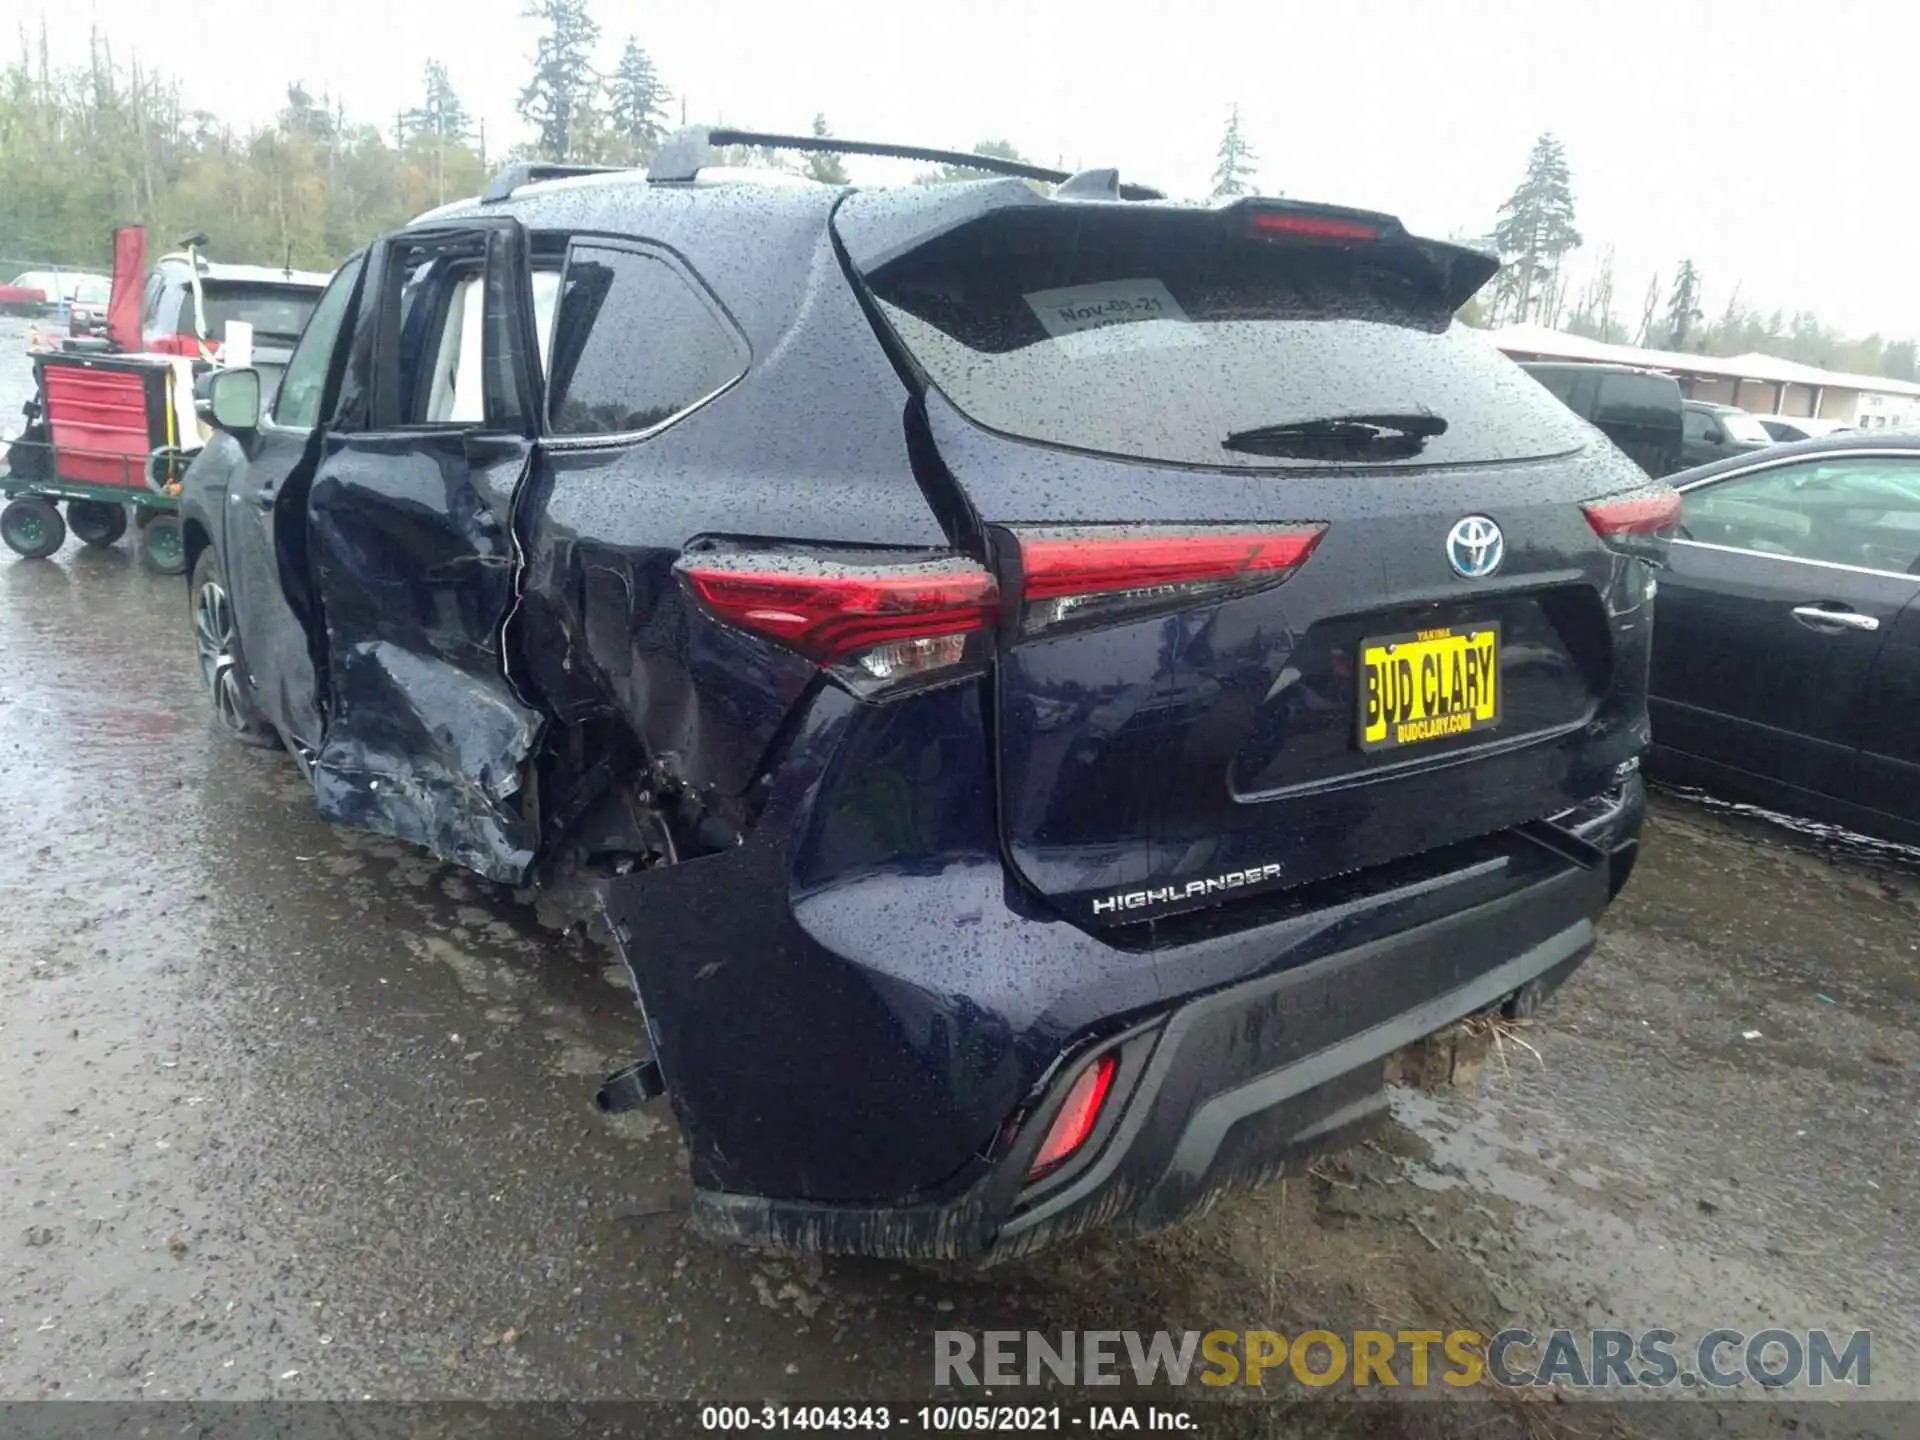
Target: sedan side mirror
234, 399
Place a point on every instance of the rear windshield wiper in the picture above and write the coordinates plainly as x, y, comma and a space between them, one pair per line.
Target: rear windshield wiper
1381, 433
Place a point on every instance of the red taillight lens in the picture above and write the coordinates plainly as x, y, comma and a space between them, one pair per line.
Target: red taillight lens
892, 620
1642, 514
1315, 227
1077, 1117
1641, 524
1094, 572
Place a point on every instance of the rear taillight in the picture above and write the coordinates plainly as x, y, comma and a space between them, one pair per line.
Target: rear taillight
1077, 1117
1093, 574
873, 623
1639, 524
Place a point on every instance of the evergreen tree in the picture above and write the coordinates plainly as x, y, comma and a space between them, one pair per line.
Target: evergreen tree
563, 81
439, 121
1234, 161
824, 165
592, 140
637, 109
1535, 230
1683, 306
441, 115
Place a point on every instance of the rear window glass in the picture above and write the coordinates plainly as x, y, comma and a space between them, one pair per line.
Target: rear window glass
635, 343
275, 311
1560, 383
1744, 427
1157, 343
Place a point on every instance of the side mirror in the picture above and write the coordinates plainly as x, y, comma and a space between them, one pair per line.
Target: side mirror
234, 399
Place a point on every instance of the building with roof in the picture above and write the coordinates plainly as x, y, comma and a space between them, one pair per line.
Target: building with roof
1764, 384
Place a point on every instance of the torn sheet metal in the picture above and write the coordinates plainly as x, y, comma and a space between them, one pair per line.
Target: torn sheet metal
426, 739
429, 754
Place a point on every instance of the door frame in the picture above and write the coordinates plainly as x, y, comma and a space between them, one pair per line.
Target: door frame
426, 725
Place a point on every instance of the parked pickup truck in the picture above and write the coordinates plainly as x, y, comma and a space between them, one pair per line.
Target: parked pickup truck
1639, 410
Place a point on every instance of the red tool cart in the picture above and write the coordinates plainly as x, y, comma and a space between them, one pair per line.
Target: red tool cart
106, 433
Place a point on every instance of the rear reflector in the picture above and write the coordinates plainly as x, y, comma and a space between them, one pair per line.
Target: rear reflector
900, 618
1092, 572
1077, 1117
1316, 227
1639, 514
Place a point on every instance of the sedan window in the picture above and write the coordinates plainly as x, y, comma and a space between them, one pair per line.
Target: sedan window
1862, 511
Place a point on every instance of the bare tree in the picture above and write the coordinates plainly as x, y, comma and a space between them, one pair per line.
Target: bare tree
1652, 308
1603, 296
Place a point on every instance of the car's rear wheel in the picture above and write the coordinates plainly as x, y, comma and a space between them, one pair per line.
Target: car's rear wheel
162, 546
32, 527
96, 522
216, 645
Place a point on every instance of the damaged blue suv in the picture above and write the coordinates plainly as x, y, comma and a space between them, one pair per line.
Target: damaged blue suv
1046, 687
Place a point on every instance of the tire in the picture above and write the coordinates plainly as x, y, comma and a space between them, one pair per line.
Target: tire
163, 548
32, 527
216, 650
96, 522
29, 457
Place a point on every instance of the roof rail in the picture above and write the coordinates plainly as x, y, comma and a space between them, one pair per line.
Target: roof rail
688, 151
502, 186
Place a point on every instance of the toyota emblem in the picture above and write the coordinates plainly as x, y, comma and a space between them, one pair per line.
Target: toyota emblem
1475, 547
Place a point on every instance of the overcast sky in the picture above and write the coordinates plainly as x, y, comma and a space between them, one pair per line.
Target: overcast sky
1773, 143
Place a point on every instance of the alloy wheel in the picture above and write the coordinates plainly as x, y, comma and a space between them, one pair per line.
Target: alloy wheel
213, 646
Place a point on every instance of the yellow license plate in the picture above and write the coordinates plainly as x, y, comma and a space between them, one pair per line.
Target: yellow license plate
1430, 685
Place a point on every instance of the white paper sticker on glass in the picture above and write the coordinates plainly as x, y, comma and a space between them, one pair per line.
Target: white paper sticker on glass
1113, 315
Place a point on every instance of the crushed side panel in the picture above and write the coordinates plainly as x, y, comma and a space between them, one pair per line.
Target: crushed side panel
426, 739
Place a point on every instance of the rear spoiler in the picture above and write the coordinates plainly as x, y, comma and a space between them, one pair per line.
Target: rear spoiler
880, 227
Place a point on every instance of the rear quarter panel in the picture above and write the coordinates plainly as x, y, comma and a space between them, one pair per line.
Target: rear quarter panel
809, 446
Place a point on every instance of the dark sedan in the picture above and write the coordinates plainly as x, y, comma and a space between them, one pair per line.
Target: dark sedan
1786, 658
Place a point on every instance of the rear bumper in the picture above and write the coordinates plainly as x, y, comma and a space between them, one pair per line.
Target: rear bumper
1229, 1085
1226, 1088
865, 1057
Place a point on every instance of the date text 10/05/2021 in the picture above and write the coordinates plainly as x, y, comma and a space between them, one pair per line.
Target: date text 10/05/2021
939, 1419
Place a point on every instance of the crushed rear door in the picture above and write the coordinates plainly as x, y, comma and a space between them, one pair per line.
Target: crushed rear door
1223, 459
413, 552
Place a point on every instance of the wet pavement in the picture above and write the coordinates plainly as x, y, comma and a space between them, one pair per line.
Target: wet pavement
298, 1113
